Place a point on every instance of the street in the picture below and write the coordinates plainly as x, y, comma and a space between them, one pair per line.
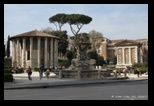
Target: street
137, 90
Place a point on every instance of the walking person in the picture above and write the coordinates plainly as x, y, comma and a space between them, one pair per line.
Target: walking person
19, 68
29, 72
137, 71
125, 71
47, 73
41, 71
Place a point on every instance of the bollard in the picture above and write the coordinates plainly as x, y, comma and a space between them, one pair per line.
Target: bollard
99, 74
79, 74
115, 74
60, 74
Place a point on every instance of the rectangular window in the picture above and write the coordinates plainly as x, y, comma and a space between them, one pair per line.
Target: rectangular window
98, 51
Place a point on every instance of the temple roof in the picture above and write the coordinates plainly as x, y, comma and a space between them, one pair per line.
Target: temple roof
127, 43
34, 33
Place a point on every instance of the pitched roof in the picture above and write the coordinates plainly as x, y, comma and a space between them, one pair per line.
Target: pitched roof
127, 42
34, 33
116, 41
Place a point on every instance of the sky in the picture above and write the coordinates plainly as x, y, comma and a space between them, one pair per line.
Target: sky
114, 21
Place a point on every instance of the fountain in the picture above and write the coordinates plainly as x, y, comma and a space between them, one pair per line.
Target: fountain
82, 67
82, 61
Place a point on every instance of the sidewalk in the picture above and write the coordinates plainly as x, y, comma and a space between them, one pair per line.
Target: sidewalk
22, 82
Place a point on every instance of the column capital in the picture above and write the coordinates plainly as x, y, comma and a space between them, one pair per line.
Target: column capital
24, 40
31, 39
18, 39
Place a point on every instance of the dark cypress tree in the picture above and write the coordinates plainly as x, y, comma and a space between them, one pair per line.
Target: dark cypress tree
4, 51
8, 47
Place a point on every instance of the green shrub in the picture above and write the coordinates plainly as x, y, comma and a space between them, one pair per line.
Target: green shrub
8, 69
35, 69
7, 62
8, 77
145, 64
143, 67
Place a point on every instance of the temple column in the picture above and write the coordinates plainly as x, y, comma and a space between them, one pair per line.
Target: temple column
130, 55
38, 52
15, 53
136, 49
51, 52
141, 55
23, 52
123, 53
55, 52
18, 52
117, 50
31, 52
46, 53
13, 58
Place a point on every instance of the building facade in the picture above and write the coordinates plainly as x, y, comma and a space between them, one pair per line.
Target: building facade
34, 48
127, 52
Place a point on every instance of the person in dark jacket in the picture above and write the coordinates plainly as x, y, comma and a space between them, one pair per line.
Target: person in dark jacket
29, 72
41, 72
137, 71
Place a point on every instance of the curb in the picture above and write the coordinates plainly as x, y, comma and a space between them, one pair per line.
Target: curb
48, 85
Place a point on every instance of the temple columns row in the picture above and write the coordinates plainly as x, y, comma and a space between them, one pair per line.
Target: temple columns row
19, 55
129, 55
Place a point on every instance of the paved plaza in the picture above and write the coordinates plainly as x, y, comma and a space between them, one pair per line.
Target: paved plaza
22, 82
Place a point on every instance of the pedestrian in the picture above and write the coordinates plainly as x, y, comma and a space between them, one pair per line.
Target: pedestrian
19, 68
56, 68
137, 71
50, 69
41, 71
128, 70
133, 71
29, 72
15, 70
124, 72
119, 73
47, 73
61, 67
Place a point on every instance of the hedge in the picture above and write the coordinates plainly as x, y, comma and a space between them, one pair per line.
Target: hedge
8, 77
8, 69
